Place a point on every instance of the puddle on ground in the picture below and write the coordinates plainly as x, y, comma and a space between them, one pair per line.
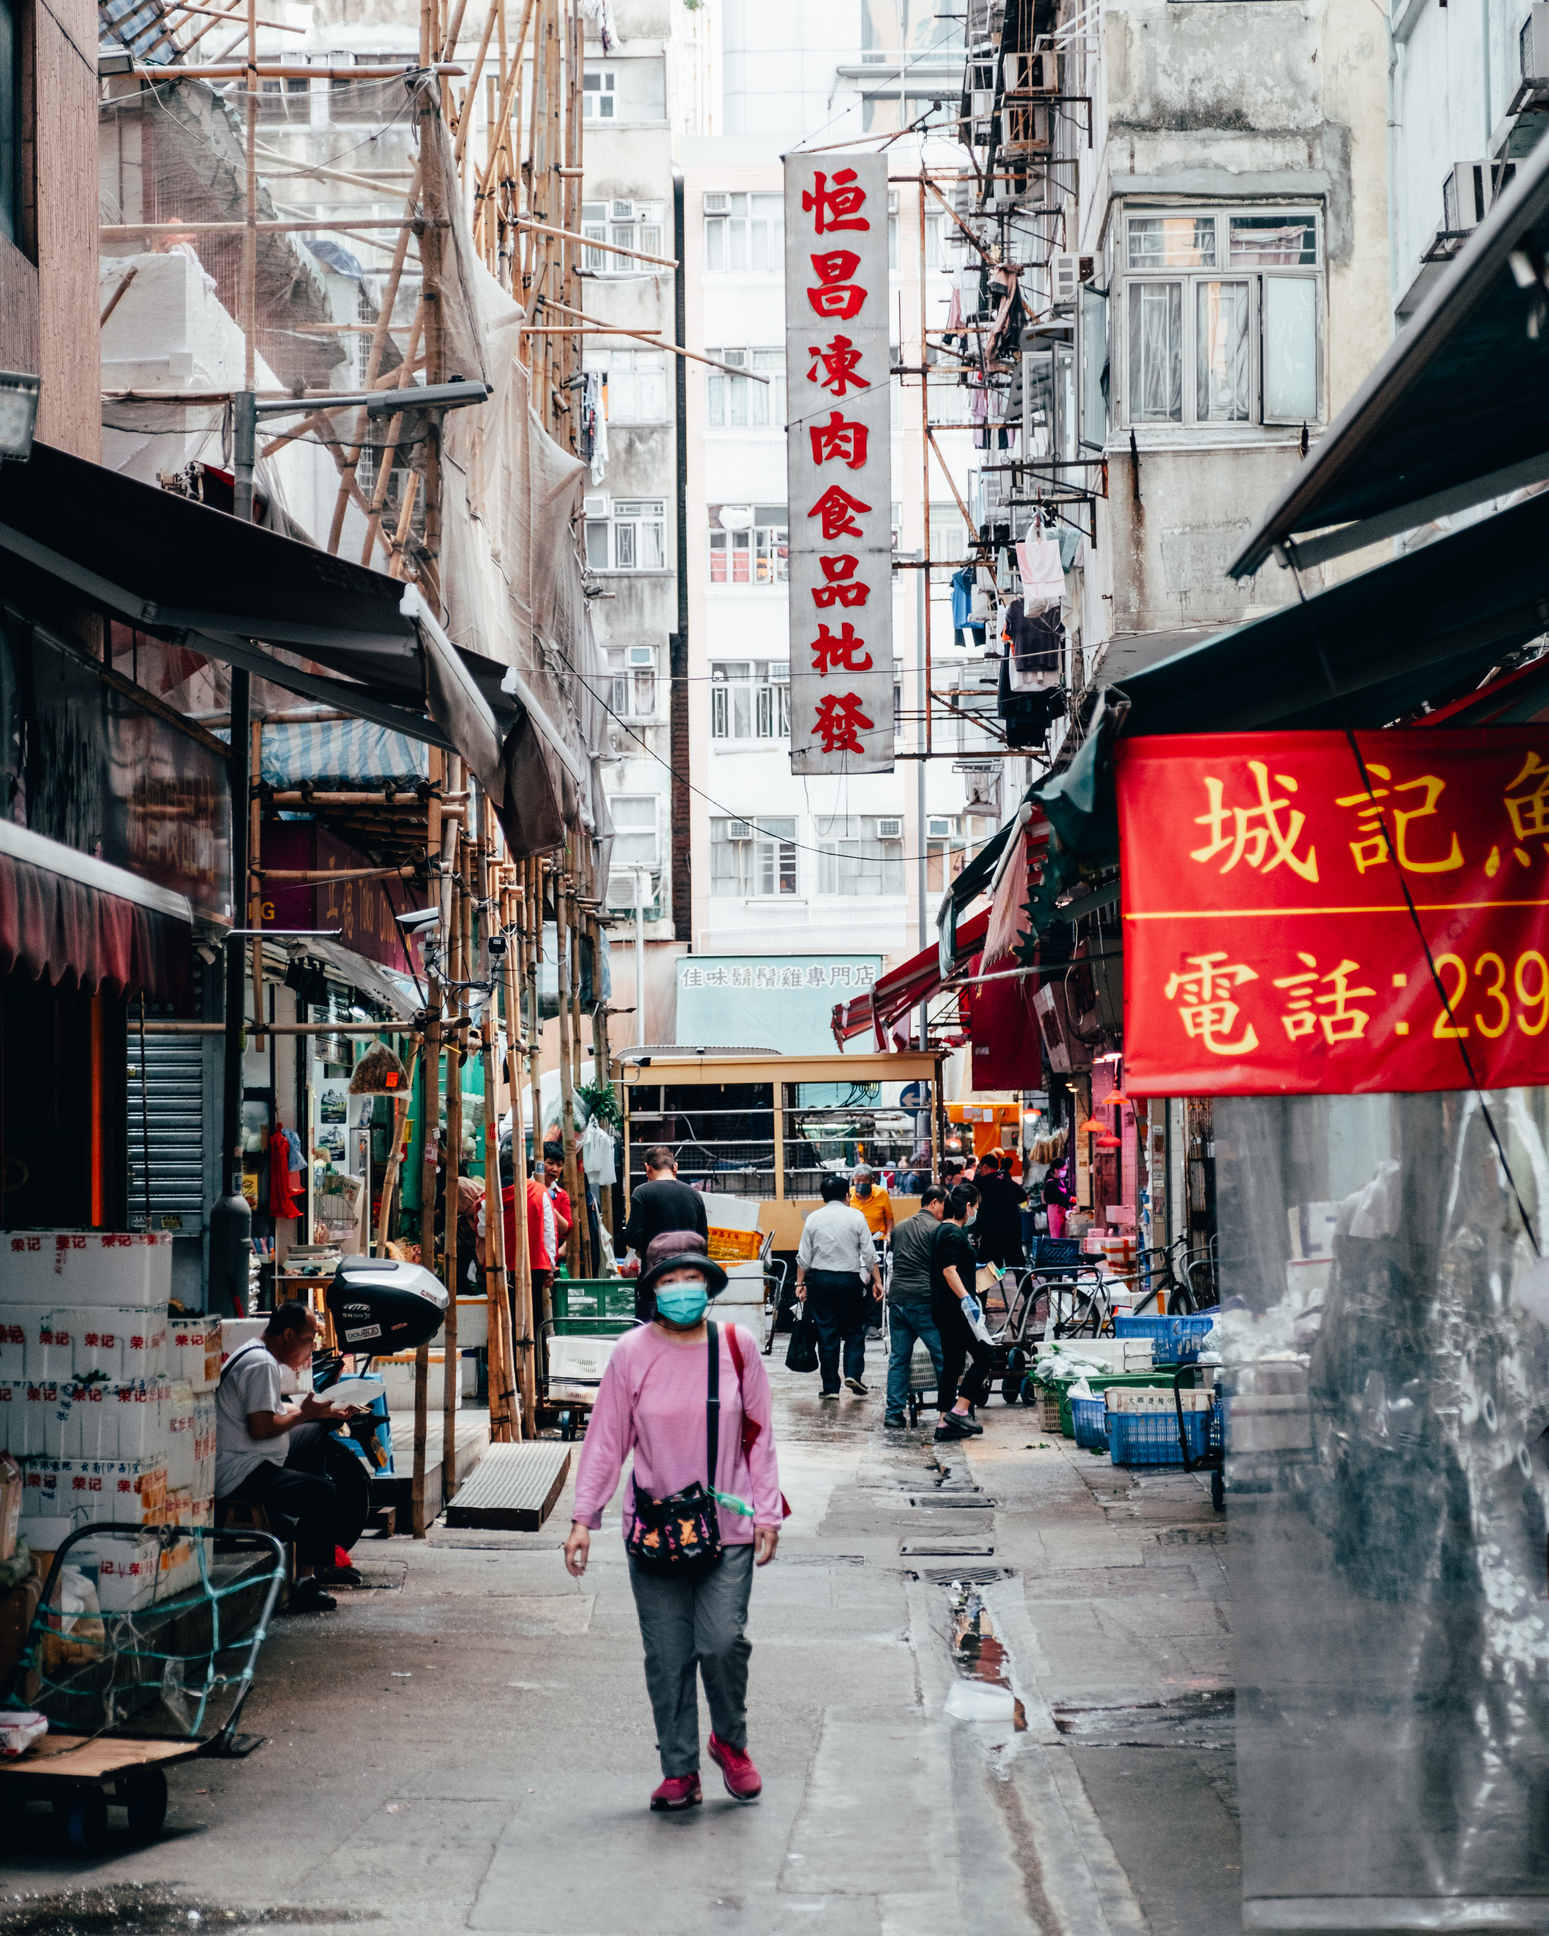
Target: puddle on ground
149, 1910
983, 1689
1201, 1719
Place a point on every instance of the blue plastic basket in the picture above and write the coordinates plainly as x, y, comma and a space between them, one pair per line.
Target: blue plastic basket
1151, 1438
1089, 1416
1177, 1339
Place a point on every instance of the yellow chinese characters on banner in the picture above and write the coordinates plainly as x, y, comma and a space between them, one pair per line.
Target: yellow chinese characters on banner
1304, 915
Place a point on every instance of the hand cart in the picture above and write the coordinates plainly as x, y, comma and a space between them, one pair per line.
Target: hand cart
129, 1692
590, 1314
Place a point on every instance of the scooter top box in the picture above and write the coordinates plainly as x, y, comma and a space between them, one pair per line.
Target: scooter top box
116, 1267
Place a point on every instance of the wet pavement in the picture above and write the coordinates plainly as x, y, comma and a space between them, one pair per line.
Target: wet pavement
991, 1690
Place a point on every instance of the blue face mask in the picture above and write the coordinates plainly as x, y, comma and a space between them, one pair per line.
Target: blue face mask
682, 1304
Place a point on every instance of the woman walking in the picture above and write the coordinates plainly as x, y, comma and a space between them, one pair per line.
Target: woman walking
836, 1262
691, 1400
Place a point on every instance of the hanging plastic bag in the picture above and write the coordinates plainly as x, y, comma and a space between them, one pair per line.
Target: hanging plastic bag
801, 1354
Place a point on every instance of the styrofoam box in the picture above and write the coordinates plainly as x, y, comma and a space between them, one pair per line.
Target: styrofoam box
127, 1571
76, 1341
101, 1421
179, 1420
85, 1490
128, 1267
194, 1349
13, 1345
1154, 1398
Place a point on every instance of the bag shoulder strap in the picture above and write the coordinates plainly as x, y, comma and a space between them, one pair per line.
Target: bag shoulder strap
241, 1352
713, 1405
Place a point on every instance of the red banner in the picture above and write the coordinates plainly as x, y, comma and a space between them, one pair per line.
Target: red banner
1269, 948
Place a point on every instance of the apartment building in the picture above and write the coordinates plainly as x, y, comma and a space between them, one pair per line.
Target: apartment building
733, 854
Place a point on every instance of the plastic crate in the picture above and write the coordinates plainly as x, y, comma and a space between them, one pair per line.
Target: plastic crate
1050, 1406
593, 1297
1101, 1384
1151, 1438
1089, 1416
1177, 1340
1058, 1253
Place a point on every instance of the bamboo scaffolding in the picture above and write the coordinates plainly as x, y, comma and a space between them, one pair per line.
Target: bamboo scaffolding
430, 1124
458, 956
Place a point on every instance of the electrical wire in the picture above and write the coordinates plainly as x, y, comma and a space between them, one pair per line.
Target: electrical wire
806, 847
1418, 926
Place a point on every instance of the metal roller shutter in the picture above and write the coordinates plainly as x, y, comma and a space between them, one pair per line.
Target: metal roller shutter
173, 1113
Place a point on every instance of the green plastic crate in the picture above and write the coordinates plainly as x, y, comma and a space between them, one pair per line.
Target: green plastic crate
592, 1298
1103, 1382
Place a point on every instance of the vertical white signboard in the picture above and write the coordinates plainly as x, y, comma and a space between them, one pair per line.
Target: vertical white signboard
839, 463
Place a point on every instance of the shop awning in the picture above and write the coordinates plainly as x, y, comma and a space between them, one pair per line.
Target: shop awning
902, 989
1457, 411
67, 916
252, 598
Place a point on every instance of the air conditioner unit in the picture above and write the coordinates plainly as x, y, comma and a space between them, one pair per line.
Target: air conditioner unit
1032, 73
890, 827
739, 830
1467, 191
717, 203
940, 827
1533, 46
779, 672
621, 211
641, 658
594, 507
1064, 277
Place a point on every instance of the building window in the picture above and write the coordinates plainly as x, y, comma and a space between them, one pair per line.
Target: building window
950, 539
1223, 316
749, 544
736, 402
599, 94
947, 848
631, 688
636, 832
750, 699
626, 534
860, 854
626, 225
636, 384
745, 232
752, 859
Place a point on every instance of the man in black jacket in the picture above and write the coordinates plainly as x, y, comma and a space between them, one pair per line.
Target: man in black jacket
662, 1203
954, 1270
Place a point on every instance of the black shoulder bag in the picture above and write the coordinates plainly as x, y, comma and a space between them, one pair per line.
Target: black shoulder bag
681, 1534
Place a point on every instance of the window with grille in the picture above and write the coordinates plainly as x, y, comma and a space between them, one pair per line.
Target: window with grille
737, 403
1223, 316
631, 683
752, 859
744, 231
626, 534
750, 699
637, 838
756, 552
636, 384
860, 854
626, 225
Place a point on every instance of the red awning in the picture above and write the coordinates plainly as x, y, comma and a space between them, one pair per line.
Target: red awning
903, 988
1006, 1050
61, 919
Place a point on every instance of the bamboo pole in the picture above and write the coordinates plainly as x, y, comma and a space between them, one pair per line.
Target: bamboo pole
503, 1281
525, 1363
451, 1383
654, 339
395, 1154
534, 1037
430, 1123
565, 962
575, 1176
390, 447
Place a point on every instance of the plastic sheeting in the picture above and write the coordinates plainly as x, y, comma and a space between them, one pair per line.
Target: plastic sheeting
1388, 1397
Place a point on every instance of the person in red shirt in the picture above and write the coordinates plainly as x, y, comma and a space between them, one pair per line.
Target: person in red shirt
542, 1236
559, 1196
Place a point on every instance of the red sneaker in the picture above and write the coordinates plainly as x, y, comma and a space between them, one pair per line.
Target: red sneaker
743, 1782
676, 1792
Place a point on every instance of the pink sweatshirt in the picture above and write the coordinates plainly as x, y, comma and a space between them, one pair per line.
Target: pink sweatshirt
652, 1402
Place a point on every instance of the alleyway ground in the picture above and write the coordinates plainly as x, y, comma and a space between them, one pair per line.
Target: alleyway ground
467, 1746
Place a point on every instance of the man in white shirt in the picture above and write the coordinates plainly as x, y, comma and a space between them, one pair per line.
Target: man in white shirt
835, 1263
253, 1424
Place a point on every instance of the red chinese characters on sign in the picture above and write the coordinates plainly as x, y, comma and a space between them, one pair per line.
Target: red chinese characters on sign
1301, 921
840, 564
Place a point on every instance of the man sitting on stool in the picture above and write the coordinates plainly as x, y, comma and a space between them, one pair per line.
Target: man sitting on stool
253, 1442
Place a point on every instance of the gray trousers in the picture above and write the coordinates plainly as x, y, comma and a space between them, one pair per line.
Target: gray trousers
696, 1623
